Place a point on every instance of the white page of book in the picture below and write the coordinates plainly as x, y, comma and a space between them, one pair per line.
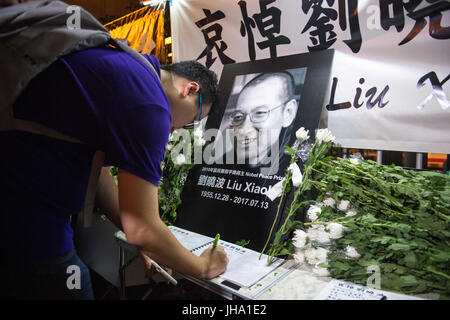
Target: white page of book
247, 269
189, 241
244, 267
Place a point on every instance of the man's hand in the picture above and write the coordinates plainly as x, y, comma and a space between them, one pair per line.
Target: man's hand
216, 261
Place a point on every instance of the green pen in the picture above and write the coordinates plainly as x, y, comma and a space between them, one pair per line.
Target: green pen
216, 240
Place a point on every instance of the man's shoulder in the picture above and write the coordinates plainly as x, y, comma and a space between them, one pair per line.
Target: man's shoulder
110, 61
112, 77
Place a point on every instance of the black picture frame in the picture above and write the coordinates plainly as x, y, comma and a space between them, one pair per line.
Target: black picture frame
209, 210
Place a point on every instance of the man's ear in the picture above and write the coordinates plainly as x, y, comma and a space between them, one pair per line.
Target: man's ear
189, 88
289, 112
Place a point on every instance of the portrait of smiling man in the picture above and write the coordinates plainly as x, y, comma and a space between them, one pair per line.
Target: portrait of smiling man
258, 120
265, 103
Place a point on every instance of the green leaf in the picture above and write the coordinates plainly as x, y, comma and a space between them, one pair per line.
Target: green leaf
399, 246
408, 281
441, 256
383, 239
284, 251
339, 266
290, 151
242, 243
411, 260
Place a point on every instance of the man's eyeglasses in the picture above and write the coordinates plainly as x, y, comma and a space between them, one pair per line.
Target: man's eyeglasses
196, 123
257, 115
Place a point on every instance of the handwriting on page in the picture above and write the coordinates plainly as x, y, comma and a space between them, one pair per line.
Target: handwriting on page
340, 290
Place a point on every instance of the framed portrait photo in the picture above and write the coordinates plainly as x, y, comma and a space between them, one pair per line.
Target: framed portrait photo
266, 102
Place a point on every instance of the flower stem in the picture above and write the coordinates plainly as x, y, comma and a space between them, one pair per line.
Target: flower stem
276, 216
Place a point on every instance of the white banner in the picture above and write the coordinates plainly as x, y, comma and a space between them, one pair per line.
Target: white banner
391, 68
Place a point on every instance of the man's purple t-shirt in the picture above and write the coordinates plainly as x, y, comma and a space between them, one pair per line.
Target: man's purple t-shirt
103, 97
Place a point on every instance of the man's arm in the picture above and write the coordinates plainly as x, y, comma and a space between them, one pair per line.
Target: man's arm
139, 215
107, 197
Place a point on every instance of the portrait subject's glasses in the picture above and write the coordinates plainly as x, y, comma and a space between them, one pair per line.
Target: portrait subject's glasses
196, 123
257, 115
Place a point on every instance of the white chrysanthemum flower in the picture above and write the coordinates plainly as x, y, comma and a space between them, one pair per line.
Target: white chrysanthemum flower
336, 230
299, 256
324, 135
310, 255
329, 202
351, 252
169, 147
343, 205
321, 254
302, 134
314, 256
299, 239
318, 234
179, 160
351, 213
321, 271
354, 160
313, 211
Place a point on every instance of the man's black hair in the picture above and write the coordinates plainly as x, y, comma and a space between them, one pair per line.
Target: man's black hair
287, 76
207, 79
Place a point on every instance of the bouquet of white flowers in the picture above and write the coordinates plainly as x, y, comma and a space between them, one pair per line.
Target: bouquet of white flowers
176, 167
365, 214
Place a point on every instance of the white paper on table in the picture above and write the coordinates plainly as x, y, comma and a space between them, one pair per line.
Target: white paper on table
341, 290
188, 241
244, 267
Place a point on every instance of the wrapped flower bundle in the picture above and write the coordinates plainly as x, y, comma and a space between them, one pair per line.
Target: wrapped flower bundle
365, 214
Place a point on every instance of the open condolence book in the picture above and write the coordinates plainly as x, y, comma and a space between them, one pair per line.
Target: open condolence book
244, 267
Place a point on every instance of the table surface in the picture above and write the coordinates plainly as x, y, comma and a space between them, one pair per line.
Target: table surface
300, 284
290, 281
287, 282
